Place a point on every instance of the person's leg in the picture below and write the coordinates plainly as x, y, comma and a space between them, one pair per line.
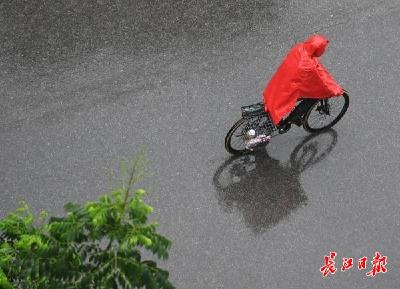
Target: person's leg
296, 115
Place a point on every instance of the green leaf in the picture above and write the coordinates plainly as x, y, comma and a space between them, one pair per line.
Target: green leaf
30, 242
4, 283
140, 193
71, 207
145, 241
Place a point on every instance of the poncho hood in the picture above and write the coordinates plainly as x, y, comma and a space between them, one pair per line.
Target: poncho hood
316, 45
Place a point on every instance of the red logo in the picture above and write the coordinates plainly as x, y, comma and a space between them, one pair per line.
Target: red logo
379, 263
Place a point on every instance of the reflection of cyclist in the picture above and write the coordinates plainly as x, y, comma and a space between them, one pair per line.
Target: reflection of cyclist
301, 75
262, 190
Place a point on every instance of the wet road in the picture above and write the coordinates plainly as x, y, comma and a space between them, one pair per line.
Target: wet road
82, 85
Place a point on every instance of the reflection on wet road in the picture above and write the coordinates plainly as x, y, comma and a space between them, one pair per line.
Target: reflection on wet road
264, 190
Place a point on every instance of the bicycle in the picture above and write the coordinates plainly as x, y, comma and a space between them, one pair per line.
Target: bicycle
255, 128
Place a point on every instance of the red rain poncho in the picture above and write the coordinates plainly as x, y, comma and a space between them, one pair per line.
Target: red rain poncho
300, 75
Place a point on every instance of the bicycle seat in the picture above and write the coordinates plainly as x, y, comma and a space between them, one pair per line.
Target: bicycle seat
252, 110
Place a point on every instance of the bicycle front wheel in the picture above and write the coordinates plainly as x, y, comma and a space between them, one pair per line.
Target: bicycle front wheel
325, 113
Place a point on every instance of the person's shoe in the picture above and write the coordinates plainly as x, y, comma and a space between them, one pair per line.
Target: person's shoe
285, 128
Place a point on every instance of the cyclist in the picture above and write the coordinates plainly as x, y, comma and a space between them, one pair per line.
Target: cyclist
301, 76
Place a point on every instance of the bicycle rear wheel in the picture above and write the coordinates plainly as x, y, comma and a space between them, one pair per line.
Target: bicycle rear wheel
325, 113
234, 140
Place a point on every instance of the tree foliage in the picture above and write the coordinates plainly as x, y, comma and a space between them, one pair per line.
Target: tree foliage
95, 245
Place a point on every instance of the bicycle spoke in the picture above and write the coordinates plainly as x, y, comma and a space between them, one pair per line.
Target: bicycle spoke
319, 117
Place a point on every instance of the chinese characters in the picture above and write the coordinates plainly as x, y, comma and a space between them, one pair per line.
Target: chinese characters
379, 263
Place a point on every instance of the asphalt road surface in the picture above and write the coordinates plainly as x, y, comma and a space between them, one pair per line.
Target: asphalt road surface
85, 83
